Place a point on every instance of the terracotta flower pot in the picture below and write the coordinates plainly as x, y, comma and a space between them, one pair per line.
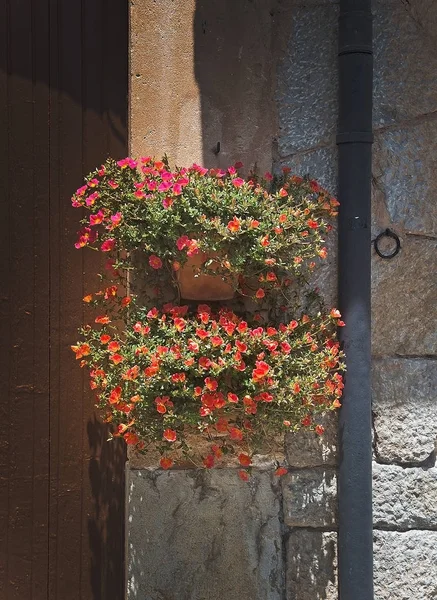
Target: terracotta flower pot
203, 287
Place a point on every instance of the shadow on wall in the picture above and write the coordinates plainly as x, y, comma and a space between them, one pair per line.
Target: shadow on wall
236, 49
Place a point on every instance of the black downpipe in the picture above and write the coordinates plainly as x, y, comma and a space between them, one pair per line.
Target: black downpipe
354, 185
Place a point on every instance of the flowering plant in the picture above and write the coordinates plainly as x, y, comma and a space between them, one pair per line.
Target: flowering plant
234, 383
262, 233
168, 375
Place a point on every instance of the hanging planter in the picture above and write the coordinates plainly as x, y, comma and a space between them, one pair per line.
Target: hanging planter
196, 285
164, 375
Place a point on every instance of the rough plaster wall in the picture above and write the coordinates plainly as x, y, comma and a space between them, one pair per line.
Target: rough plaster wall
404, 298
203, 72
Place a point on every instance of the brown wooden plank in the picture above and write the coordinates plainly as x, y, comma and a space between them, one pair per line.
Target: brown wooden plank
69, 398
41, 300
55, 299
4, 300
21, 418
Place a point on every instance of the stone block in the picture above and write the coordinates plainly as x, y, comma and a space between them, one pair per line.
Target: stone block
307, 80
405, 60
310, 498
307, 449
405, 565
203, 535
404, 498
404, 396
404, 174
404, 307
311, 565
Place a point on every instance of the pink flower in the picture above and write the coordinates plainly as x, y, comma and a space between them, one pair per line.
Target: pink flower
92, 198
268, 176
116, 219
86, 236
164, 186
232, 171
151, 186
81, 191
139, 194
108, 245
183, 242
177, 189
113, 184
93, 183
238, 182
155, 262
167, 202
97, 218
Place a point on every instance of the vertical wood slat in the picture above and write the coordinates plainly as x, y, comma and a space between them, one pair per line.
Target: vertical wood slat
4, 300
41, 288
68, 527
20, 424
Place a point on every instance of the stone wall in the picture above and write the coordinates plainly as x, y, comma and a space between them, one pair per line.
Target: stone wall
261, 78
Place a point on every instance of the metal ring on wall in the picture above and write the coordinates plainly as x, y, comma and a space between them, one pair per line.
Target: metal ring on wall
391, 234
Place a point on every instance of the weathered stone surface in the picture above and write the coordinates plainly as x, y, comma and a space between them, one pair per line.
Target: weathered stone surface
201, 535
307, 449
404, 173
310, 498
405, 60
320, 164
311, 565
306, 94
404, 395
404, 498
405, 565
404, 293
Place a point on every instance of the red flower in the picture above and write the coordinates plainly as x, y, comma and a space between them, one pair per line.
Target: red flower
208, 461
179, 323
117, 358
211, 384
306, 421
108, 245
243, 475
169, 435
242, 347
235, 434
155, 262
258, 374
204, 362
131, 438
238, 182
233, 398
260, 293
312, 224
202, 333
319, 429
216, 341
178, 377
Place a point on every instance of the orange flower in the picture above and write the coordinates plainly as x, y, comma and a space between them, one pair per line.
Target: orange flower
169, 435
281, 471
254, 224
105, 338
320, 430
131, 438
234, 225
323, 253
113, 346
166, 463
335, 313
88, 298
235, 434
82, 350
103, 320
244, 460
211, 384
271, 276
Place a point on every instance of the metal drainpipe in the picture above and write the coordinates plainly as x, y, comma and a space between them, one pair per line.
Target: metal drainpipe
355, 543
